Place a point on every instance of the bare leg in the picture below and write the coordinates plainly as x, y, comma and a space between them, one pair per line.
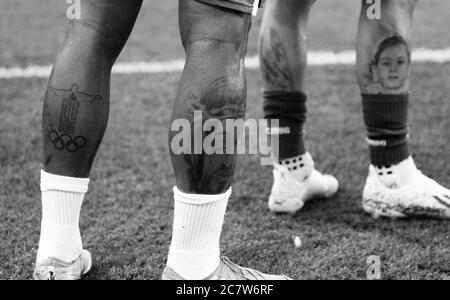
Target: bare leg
394, 188
396, 19
76, 105
213, 83
283, 56
212, 86
383, 71
75, 115
283, 44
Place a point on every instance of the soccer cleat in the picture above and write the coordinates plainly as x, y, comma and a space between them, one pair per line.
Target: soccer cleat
422, 197
55, 269
227, 270
290, 195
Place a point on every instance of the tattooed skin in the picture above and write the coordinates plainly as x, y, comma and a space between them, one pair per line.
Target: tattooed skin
275, 65
46, 120
63, 137
388, 73
213, 174
221, 101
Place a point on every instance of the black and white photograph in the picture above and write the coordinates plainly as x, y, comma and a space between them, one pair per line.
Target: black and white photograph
231, 140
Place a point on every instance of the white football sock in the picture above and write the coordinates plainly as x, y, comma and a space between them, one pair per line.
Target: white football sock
397, 176
300, 167
194, 252
62, 198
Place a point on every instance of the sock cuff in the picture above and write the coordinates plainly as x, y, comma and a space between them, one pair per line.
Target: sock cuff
199, 199
386, 118
285, 105
51, 182
393, 156
387, 111
296, 96
305, 158
289, 110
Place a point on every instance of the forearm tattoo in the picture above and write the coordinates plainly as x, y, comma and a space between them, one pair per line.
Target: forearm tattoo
62, 136
221, 100
275, 64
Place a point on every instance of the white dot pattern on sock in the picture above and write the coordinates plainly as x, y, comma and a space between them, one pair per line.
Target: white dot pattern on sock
293, 164
384, 170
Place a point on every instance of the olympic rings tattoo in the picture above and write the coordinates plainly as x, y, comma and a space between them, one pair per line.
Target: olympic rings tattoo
65, 141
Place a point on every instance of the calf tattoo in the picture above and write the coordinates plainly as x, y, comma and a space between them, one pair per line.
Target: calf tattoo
46, 120
221, 100
388, 72
65, 141
64, 137
275, 64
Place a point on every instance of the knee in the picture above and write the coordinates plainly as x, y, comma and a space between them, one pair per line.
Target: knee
104, 27
291, 6
396, 8
215, 56
222, 53
226, 44
391, 16
290, 13
209, 27
102, 40
105, 38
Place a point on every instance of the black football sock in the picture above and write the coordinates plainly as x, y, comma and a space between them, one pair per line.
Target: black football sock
386, 118
289, 108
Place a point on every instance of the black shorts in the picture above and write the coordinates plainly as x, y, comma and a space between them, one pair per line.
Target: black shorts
245, 6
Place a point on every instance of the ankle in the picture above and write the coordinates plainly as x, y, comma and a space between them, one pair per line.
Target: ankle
398, 175
300, 167
193, 265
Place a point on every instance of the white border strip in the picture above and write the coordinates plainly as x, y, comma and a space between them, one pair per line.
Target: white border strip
321, 58
255, 7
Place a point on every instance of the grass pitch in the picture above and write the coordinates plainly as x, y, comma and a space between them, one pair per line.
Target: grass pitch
126, 219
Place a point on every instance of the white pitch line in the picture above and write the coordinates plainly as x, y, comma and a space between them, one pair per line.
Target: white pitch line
320, 58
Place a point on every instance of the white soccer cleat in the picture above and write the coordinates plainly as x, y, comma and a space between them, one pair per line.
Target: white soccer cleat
55, 269
227, 270
290, 195
422, 197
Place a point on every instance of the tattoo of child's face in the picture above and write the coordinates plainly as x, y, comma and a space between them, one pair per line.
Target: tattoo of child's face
390, 71
393, 68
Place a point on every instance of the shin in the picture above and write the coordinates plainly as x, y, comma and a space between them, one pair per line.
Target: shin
75, 115
383, 71
212, 90
213, 85
283, 55
76, 105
